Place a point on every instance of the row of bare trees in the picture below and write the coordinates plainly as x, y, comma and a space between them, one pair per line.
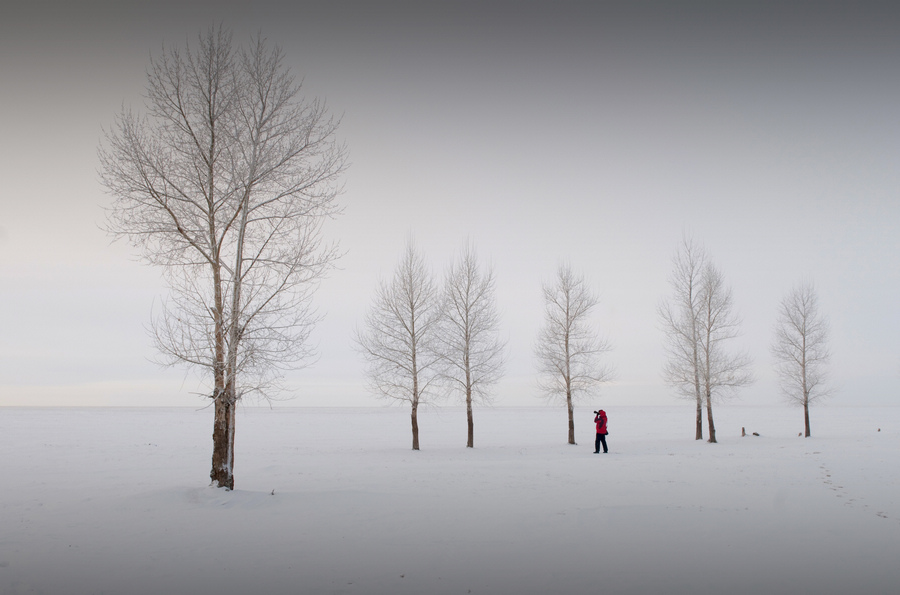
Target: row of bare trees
421, 341
699, 320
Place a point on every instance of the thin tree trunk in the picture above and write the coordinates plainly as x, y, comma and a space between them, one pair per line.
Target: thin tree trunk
569, 382
221, 474
415, 427
470, 443
805, 388
698, 432
223, 435
709, 415
232, 414
806, 417
698, 435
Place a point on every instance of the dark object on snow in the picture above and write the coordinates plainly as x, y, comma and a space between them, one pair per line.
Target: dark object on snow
755, 433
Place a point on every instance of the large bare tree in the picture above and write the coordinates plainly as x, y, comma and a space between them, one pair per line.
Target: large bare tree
800, 348
469, 340
680, 321
224, 182
398, 338
569, 346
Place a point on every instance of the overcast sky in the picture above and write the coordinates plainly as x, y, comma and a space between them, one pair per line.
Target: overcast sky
593, 133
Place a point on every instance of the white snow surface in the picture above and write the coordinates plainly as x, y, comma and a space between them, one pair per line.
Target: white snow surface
117, 501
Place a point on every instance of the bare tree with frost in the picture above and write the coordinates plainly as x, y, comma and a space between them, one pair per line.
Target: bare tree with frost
697, 323
225, 182
721, 371
569, 347
680, 322
469, 339
398, 336
800, 348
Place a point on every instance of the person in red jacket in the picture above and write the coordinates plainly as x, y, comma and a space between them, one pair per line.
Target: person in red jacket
600, 420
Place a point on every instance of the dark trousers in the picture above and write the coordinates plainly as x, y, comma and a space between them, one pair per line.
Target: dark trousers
601, 439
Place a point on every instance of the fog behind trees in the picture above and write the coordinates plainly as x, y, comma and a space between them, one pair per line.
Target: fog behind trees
597, 136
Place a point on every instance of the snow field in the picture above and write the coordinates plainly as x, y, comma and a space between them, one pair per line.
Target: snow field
116, 501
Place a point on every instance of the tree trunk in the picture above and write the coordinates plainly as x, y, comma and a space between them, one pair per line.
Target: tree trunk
470, 443
571, 418
806, 417
709, 415
698, 430
222, 473
698, 434
415, 427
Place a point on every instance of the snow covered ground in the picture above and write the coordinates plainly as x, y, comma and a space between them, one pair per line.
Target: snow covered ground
334, 501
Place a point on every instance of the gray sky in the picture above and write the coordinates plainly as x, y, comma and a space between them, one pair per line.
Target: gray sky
545, 132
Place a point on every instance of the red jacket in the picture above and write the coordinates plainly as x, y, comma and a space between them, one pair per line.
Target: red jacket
600, 420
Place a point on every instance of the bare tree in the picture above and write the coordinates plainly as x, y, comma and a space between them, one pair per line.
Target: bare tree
721, 372
800, 348
225, 183
469, 342
398, 336
680, 321
569, 347
696, 323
